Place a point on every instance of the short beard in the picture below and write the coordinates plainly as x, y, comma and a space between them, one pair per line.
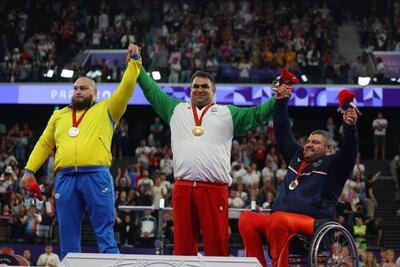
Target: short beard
84, 104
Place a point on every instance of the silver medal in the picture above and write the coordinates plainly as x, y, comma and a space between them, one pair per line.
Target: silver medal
73, 131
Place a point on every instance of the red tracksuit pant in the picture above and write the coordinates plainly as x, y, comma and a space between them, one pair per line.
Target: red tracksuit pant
277, 227
200, 205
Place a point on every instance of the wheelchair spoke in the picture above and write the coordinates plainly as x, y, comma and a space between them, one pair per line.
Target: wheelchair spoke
333, 246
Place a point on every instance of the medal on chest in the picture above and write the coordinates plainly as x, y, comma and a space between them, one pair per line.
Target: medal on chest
74, 130
293, 184
198, 130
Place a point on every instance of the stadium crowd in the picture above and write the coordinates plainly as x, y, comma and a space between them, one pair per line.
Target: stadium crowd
257, 170
237, 41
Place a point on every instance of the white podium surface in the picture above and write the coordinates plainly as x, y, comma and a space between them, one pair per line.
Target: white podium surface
135, 260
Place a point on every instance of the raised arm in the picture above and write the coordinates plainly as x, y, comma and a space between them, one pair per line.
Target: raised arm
246, 119
287, 144
346, 157
118, 102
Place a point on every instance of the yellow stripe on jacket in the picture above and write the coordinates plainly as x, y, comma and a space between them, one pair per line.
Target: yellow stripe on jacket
92, 146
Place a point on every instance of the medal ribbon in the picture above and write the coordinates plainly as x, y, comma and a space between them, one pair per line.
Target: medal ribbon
198, 121
75, 123
303, 165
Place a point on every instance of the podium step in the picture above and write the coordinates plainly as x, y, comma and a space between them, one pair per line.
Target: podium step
108, 260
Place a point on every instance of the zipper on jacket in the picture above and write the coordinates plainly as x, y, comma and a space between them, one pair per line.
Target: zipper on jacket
104, 145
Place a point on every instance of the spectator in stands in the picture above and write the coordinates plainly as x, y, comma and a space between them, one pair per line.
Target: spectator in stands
211, 179
369, 259
360, 231
128, 230
83, 176
375, 230
159, 192
379, 125
370, 200
7, 220
383, 256
390, 259
395, 171
31, 221
142, 154
27, 255
48, 259
156, 130
148, 228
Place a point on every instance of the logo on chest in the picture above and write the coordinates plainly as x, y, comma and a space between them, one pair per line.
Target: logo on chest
317, 163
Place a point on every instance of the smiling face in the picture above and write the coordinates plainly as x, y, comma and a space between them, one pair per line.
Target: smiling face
203, 91
316, 146
84, 94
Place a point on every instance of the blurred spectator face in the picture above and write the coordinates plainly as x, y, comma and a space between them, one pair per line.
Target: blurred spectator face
49, 249
84, 94
316, 147
123, 182
32, 209
202, 93
27, 254
390, 255
5, 209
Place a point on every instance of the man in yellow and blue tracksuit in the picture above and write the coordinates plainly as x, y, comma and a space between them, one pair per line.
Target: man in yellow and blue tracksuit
81, 134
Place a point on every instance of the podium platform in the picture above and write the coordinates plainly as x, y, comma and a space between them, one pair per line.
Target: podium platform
125, 260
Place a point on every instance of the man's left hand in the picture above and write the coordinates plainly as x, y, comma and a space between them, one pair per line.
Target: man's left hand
284, 91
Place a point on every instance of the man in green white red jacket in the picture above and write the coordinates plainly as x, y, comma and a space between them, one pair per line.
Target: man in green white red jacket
201, 138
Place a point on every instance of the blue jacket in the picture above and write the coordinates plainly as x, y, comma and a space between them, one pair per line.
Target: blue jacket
322, 181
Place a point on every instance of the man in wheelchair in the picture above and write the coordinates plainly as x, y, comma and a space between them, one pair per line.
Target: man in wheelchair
311, 187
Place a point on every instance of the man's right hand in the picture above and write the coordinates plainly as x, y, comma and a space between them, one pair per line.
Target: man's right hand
29, 182
284, 91
26, 179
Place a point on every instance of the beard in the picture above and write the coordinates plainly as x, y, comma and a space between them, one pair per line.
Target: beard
85, 103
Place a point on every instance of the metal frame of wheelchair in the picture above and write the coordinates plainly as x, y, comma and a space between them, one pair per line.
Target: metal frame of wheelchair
324, 248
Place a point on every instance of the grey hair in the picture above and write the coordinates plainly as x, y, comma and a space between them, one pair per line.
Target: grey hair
328, 138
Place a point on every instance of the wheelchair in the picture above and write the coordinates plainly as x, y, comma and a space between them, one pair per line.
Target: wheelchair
331, 245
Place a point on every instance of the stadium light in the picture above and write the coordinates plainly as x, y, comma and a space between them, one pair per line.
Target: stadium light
304, 78
398, 80
66, 73
49, 74
156, 75
363, 81
393, 79
93, 74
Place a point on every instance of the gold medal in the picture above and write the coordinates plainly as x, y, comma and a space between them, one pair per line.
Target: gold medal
198, 131
293, 184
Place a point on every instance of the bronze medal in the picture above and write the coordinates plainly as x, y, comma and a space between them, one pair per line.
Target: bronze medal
293, 184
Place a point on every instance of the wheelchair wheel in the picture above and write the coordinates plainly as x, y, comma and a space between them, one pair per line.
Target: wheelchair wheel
332, 245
